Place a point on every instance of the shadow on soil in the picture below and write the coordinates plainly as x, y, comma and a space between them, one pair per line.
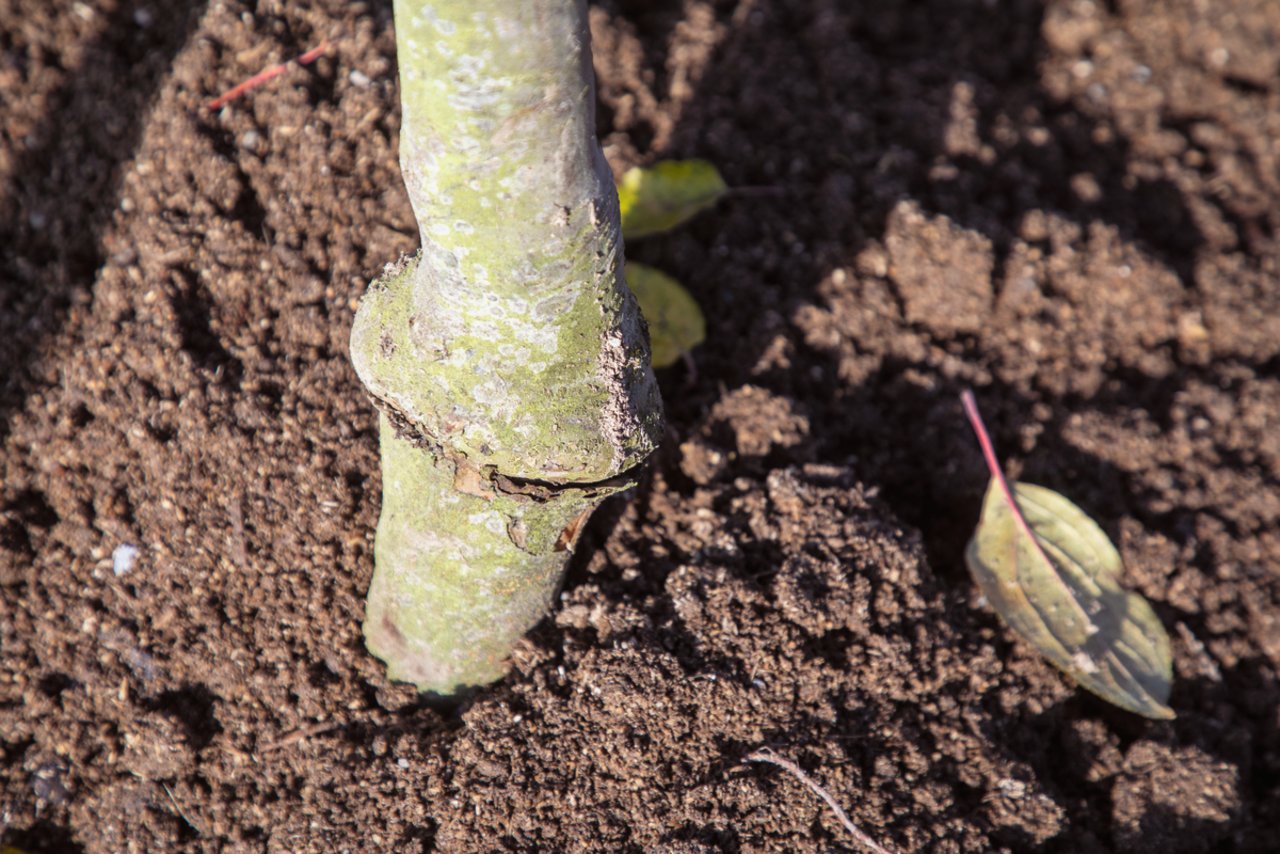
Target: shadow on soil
58, 198
880, 84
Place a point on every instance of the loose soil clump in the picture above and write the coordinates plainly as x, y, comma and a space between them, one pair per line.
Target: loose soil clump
1069, 206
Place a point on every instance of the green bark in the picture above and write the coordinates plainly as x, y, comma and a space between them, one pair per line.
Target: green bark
508, 356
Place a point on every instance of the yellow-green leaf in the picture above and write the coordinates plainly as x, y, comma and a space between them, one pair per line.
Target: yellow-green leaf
669, 193
1061, 593
676, 324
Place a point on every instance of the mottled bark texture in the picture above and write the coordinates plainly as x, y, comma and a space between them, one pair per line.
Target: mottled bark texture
508, 357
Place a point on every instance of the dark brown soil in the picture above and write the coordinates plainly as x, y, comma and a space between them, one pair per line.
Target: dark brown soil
1070, 206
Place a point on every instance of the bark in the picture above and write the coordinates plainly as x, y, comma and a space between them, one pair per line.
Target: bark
508, 357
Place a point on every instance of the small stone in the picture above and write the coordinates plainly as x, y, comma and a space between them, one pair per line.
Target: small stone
48, 783
358, 78
123, 558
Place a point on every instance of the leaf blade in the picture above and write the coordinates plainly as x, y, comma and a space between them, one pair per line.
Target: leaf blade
1062, 595
667, 194
676, 323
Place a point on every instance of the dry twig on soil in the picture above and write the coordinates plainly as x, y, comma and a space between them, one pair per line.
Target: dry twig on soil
767, 755
269, 74
191, 824
300, 734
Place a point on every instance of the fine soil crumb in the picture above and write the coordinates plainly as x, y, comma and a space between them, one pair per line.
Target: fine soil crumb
1070, 206
1177, 799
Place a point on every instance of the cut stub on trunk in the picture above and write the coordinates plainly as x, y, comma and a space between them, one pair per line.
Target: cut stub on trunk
460, 576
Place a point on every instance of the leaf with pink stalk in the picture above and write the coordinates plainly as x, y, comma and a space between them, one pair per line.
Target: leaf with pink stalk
1054, 577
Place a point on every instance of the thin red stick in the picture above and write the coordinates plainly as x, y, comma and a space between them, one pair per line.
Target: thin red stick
989, 452
263, 76
993, 465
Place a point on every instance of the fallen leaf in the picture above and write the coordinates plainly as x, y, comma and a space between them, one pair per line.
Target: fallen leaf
670, 192
676, 324
1054, 577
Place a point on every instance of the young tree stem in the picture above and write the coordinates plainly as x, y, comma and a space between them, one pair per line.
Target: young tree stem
508, 357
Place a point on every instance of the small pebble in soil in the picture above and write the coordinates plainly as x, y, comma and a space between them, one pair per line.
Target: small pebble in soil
143, 18
358, 78
402, 762
47, 783
123, 558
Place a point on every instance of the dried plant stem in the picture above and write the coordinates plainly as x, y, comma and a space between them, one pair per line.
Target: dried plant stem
191, 824
767, 755
303, 733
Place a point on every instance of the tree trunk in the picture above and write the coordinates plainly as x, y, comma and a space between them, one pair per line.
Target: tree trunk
507, 357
